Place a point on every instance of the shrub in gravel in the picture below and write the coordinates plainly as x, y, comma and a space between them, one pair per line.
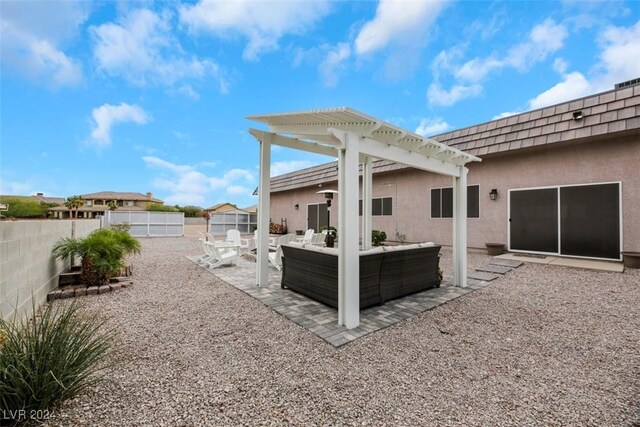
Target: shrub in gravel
49, 358
102, 252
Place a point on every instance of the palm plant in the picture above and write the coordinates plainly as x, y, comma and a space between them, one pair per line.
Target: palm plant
74, 203
102, 253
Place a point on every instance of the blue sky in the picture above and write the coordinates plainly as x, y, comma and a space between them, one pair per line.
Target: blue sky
152, 96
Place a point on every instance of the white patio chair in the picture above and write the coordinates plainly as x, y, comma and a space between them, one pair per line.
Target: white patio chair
308, 235
275, 258
234, 237
318, 239
221, 254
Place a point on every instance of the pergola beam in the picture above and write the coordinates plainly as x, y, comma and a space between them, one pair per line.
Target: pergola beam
397, 154
295, 143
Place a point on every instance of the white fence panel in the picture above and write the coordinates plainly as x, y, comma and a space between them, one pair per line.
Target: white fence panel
149, 224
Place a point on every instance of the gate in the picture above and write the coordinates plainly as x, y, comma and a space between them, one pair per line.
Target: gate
148, 224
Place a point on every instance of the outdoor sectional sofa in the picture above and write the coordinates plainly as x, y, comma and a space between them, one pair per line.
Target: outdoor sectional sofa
385, 272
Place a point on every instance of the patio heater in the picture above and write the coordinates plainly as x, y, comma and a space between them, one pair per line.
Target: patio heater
328, 195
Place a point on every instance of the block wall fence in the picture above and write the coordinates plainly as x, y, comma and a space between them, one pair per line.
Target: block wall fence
28, 270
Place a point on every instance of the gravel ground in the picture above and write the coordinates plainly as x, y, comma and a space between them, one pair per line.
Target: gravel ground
542, 346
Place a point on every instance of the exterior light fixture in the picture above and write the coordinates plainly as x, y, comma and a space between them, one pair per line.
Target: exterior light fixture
577, 115
296, 206
493, 194
328, 195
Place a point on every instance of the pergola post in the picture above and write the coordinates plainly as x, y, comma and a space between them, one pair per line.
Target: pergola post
264, 207
348, 254
367, 194
460, 228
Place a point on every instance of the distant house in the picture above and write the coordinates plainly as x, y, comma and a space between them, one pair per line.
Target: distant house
98, 203
227, 216
46, 199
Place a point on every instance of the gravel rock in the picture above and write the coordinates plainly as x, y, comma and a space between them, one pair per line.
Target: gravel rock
542, 346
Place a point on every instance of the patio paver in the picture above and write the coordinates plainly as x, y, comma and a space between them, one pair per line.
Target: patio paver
322, 320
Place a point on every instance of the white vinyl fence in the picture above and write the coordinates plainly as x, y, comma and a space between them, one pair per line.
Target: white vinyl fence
148, 224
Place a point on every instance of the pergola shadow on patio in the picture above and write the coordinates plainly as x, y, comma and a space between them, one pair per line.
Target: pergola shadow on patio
321, 319
356, 139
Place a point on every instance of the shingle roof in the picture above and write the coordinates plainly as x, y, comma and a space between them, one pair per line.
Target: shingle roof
612, 112
321, 174
116, 195
609, 112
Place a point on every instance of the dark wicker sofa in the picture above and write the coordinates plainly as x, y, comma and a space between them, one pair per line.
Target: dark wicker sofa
385, 274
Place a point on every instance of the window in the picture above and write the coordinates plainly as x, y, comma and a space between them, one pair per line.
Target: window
442, 202
382, 206
99, 202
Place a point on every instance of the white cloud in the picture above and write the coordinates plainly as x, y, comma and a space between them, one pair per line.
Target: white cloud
574, 85
429, 127
618, 62
280, 168
14, 188
620, 56
397, 21
107, 115
333, 62
262, 23
543, 39
186, 185
560, 65
142, 50
438, 96
32, 35
505, 114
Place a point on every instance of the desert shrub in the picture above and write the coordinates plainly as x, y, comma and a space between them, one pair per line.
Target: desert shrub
120, 226
24, 207
103, 253
191, 211
378, 237
50, 358
158, 207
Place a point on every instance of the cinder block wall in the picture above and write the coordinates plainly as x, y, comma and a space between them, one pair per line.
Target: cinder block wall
27, 268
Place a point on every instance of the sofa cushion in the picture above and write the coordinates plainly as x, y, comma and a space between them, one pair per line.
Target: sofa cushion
427, 244
376, 250
330, 251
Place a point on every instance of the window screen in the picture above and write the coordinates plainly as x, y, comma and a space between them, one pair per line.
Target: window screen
442, 202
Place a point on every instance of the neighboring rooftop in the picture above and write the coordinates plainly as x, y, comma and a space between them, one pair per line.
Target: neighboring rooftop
116, 195
45, 199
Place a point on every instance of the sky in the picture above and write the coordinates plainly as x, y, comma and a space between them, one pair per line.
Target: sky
143, 96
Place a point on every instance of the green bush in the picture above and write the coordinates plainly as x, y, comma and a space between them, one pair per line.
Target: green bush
378, 237
158, 207
102, 252
120, 226
24, 207
191, 211
50, 358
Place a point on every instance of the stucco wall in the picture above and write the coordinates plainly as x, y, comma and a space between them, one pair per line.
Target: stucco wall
27, 267
600, 161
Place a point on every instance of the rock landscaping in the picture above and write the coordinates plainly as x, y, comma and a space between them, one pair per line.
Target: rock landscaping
539, 346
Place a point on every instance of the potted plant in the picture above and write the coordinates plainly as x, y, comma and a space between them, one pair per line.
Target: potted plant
495, 248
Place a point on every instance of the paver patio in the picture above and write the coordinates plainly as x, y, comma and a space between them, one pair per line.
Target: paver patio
321, 319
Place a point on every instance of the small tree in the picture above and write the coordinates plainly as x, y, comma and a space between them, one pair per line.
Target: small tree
102, 253
207, 216
112, 205
74, 203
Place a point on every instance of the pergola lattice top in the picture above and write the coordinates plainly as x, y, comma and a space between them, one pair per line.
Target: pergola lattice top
356, 139
312, 126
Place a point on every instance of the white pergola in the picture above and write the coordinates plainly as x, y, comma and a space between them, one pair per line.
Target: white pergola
356, 138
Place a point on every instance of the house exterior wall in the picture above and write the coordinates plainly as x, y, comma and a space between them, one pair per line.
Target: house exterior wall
605, 160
